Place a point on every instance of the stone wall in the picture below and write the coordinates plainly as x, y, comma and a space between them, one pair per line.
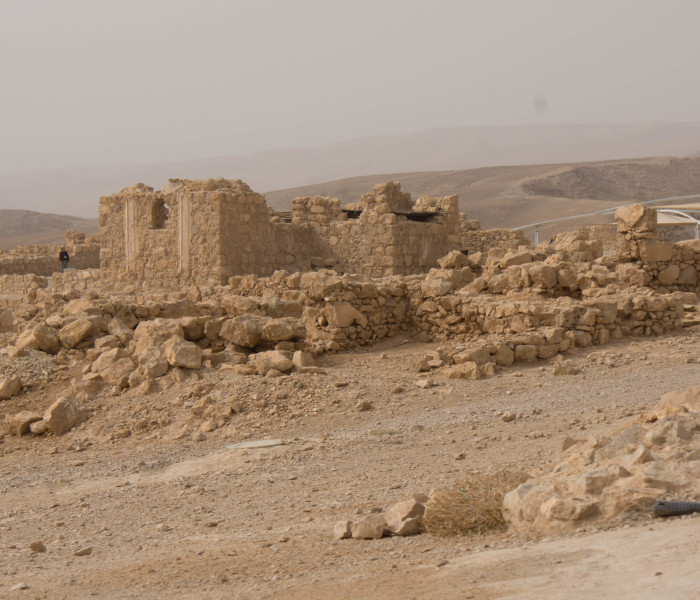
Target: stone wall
80, 281
43, 260
646, 260
204, 232
475, 239
388, 234
20, 284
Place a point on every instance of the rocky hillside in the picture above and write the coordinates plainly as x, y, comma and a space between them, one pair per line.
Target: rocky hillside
512, 196
22, 227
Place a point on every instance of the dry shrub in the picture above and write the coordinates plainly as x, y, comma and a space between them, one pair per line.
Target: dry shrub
471, 505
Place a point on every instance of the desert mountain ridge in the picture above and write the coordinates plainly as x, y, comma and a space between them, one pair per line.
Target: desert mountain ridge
508, 197
76, 190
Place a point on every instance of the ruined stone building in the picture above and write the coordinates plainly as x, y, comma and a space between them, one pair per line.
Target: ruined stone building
207, 231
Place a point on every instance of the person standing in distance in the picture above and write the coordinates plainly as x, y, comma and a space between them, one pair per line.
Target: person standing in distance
63, 258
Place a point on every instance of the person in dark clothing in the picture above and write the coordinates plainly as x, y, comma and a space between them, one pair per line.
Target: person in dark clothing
63, 258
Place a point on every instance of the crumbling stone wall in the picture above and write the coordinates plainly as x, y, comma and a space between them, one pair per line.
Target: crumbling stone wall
204, 232
193, 232
388, 234
43, 260
647, 261
19, 284
475, 239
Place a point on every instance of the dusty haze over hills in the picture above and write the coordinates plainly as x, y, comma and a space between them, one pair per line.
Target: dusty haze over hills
497, 196
163, 85
77, 190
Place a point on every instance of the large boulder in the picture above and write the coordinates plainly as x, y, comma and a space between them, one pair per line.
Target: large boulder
121, 330
192, 328
39, 337
635, 217
75, 332
244, 330
152, 362
155, 332
180, 353
453, 260
63, 415
283, 329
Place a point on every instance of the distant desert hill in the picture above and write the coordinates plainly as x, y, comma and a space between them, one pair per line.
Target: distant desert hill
77, 190
23, 227
508, 196
514, 196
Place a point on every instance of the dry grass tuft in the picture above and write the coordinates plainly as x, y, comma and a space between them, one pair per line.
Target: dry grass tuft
470, 505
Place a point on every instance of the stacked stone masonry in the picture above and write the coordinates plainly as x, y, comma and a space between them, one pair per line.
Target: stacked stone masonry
204, 232
43, 260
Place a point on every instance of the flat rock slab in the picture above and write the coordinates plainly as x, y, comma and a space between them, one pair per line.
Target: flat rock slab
256, 444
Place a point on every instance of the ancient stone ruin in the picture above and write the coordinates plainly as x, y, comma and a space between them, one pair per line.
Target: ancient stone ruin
207, 231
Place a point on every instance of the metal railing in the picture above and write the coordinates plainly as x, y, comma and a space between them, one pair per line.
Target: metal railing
606, 211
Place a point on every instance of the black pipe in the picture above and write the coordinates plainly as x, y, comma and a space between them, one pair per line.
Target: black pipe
666, 508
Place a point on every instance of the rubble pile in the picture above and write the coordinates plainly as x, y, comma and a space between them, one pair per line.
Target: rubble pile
657, 457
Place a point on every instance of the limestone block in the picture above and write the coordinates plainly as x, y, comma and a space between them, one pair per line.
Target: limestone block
542, 275
181, 353
525, 352
192, 328
239, 305
453, 260
503, 356
282, 329
264, 362
117, 373
155, 332
434, 288
118, 328
478, 355
107, 358
244, 330
405, 518
63, 415
342, 530
76, 332
467, 370
343, 314
303, 359
632, 275
370, 527
652, 250
669, 275
152, 362
19, 423
39, 337
515, 258
635, 217
687, 276
10, 386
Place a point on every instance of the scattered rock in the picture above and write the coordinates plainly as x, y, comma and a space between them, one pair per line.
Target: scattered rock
370, 527
63, 415
10, 386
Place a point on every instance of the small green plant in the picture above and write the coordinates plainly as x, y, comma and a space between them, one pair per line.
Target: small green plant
470, 505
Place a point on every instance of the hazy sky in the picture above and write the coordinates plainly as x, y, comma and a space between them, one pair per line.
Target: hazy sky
87, 82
